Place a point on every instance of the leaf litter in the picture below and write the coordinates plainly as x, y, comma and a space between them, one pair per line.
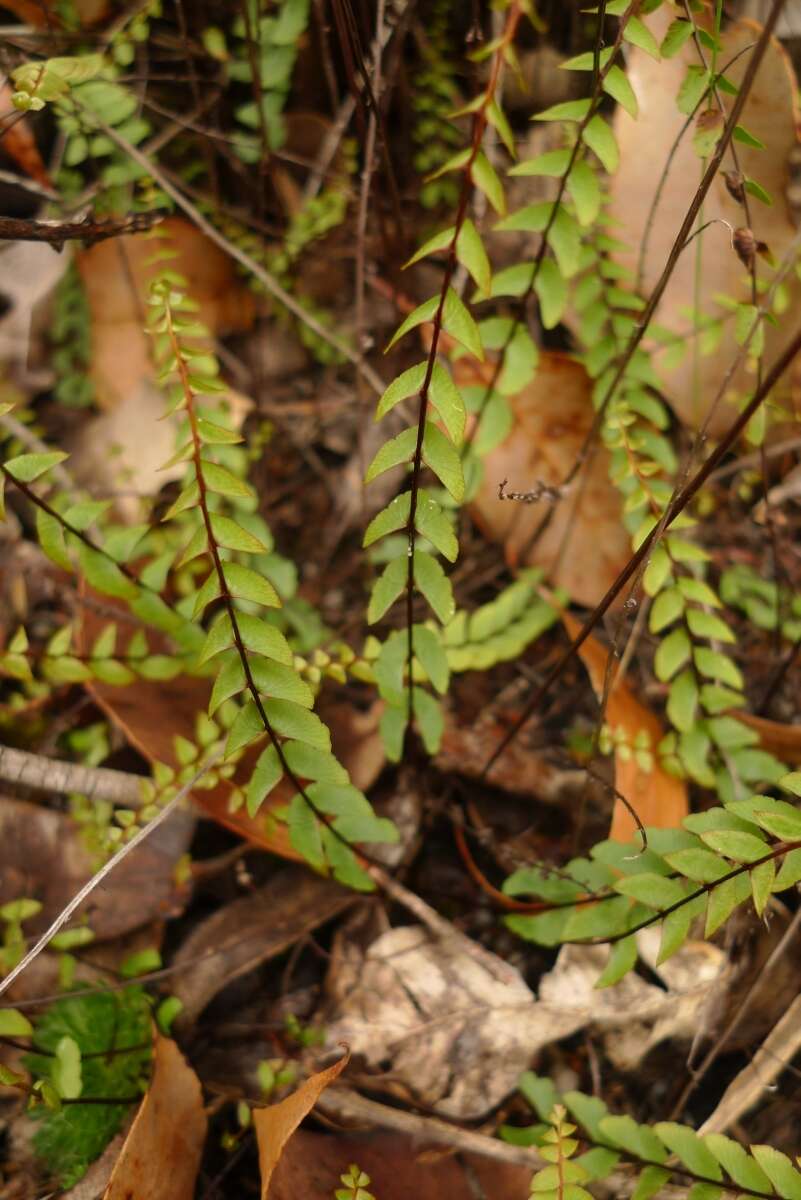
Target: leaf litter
428, 1023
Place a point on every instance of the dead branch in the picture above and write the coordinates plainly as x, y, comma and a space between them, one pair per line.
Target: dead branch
53, 775
88, 231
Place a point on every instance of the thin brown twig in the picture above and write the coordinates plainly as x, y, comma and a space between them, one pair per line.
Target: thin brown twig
346, 1105
742, 1009
55, 775
123, 852
89, 231
343, 118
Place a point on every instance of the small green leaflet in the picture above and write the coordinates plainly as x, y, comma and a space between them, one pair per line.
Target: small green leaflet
678, 33
498, 119
447, 399
219, 638
424, 312
280, 682
741, 134
586, 61
229, 682
442, 393
14, 1024
457, 321
393, 727
247, 726
551, 289
257, 635
552, 163
737, 1162
601, 140
428, 718
215, 435
432, 523
486, 178
692, 90
408, 383
622, 957
443, 459
682, 704
430, 653
397, 450
50, 532
66, 1070
211, 590
395, 516
229, 534
672, 653
437, 242
564, 235
294, 721
434, 585
309, 762
638, 34
779, 1170
224, 482
249, 585
618, 87
586, 192
387, 588
28, 467
472, 255
266, 774
104, 574
568, 110
198, 544
735, 844
304, 832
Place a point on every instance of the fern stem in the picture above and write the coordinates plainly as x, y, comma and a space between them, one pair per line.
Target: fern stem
479, 125
225, 591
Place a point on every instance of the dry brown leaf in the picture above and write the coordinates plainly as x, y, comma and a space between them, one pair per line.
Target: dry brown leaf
275, 1125
659, 799
454, 1026
116, 275
43, 857
249, 931
770, 114
165, 1142
585, 544
398, 1166
636, 1015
